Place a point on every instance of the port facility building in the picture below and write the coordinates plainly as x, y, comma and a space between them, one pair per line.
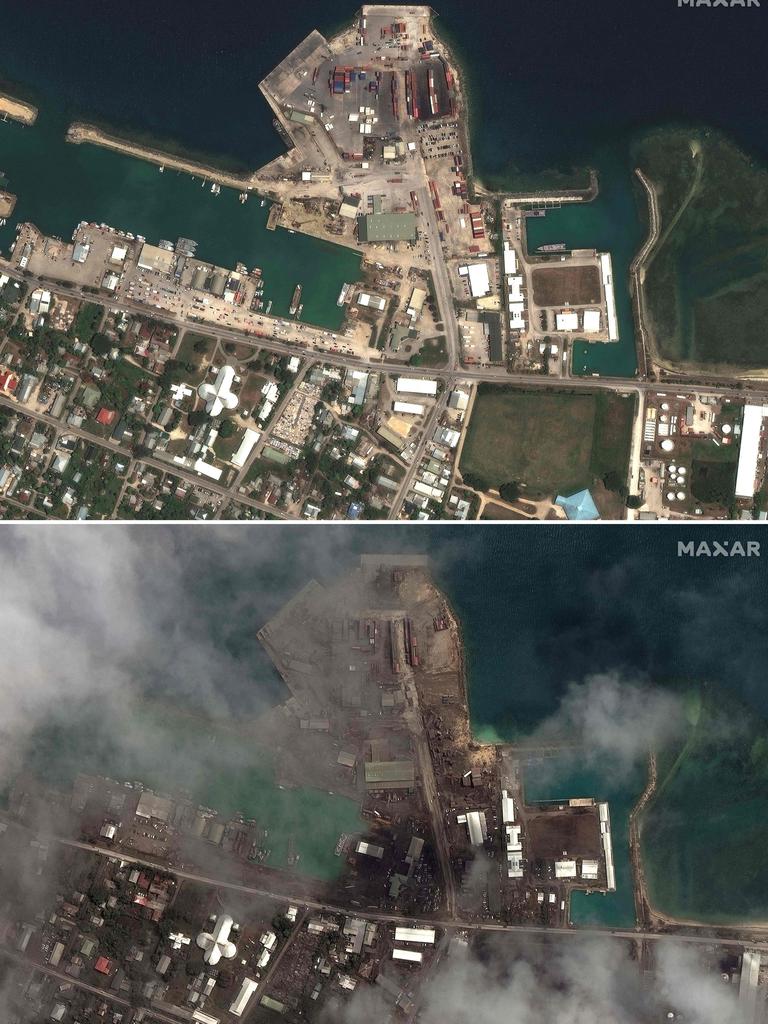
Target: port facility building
416, 386
424, 936
387, 227
749, 450
389, 774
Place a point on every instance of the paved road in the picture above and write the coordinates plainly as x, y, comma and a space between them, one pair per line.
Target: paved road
704, 384
398, 919
443, 293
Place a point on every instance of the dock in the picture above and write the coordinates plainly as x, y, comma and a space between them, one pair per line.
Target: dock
275, 213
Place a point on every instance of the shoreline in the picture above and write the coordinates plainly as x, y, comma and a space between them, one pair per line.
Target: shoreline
17, 110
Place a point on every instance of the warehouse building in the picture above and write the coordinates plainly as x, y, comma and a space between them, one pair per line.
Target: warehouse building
250, 438
411, 955
478, 279
416, 386
370, 849
476, 826
152, 257
242, 999
424, 936
749, 451
411, 408
389, 774
387, 227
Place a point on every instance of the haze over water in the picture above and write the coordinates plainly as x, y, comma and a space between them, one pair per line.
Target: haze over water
541, 609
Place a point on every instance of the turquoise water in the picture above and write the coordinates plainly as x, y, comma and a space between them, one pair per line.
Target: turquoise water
58, 184
563, 778
609, 224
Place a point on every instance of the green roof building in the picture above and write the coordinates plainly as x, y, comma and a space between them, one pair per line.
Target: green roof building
387, 227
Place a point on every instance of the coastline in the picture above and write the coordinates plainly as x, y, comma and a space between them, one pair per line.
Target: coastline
17, 110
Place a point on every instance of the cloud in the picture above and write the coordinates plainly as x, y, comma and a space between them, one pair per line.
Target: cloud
560, 980
615, 722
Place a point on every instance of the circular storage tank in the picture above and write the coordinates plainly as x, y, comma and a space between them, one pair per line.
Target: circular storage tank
667, 445
673, 469
670, 495
726, 428
681, 495
682, 471
665, 406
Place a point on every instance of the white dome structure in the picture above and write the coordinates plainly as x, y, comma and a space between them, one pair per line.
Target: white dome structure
218, 396
217, 943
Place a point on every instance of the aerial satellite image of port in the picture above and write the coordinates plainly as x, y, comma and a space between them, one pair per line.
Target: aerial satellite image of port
399, 774
383, 450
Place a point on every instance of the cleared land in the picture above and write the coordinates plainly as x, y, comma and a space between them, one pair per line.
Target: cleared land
574, 830
562, 286
556, 442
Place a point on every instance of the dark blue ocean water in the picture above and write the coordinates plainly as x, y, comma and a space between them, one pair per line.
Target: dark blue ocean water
551, 81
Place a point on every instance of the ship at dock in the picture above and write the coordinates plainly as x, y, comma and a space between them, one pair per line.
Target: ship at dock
295, 301
552, 247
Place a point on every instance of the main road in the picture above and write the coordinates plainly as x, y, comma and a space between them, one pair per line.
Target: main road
387, 917
703, 384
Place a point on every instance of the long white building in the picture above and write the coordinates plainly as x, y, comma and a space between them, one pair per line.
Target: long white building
749, 450
416, 386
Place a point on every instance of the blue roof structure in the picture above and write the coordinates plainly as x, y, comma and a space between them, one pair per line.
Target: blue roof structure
578, 506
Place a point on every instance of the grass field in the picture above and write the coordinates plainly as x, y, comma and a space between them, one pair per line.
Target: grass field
552, 443
563, 285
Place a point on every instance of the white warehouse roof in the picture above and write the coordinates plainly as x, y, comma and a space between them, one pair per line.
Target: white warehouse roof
589, 869
250, 438
206, 469
510, 259
591, 321
416, 386
568, 321
426, 936
412, 408
247, 989
749, 451
507, 808
479, 280
565, 869
407, 954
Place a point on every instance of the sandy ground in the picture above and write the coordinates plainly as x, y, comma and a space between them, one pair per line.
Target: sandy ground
19, 111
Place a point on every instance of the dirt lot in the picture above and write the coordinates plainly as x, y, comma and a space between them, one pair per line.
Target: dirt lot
575, 830
566, 286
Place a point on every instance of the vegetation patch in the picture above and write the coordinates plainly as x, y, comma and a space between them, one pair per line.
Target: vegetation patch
706, 286
547, 442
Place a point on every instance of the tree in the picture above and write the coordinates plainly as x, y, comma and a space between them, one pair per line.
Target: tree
613, 481
100, 344
197, 417
510, 491
226, 429
201, 345
634, 501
